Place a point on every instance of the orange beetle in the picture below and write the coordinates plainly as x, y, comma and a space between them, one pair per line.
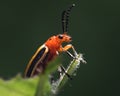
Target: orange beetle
50, 49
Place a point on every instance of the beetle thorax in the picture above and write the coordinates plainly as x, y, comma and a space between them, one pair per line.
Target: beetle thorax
53, 43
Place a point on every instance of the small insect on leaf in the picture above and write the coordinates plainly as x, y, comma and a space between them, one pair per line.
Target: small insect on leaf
51, 48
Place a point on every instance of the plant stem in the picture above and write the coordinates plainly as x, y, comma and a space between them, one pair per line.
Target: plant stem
73, 66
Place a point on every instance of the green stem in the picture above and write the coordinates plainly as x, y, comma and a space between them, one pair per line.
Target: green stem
73, 66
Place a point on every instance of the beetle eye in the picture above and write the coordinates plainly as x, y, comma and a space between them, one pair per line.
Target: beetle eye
60, 36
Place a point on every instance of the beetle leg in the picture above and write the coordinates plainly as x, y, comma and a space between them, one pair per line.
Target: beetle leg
62, 69
66, 48
71, 55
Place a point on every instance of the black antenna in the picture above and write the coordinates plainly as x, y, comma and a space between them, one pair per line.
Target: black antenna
65, 18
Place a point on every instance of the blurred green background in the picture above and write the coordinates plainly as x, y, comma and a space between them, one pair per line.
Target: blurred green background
94, 26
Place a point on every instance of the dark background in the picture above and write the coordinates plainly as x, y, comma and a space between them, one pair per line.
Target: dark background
94, 26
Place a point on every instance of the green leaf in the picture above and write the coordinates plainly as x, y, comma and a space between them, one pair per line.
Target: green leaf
39, 85
36, 86
18, 86
44, 87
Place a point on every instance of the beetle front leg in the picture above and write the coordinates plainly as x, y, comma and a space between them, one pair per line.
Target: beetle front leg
66, 48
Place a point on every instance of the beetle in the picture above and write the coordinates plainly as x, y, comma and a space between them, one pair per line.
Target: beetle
51, 48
